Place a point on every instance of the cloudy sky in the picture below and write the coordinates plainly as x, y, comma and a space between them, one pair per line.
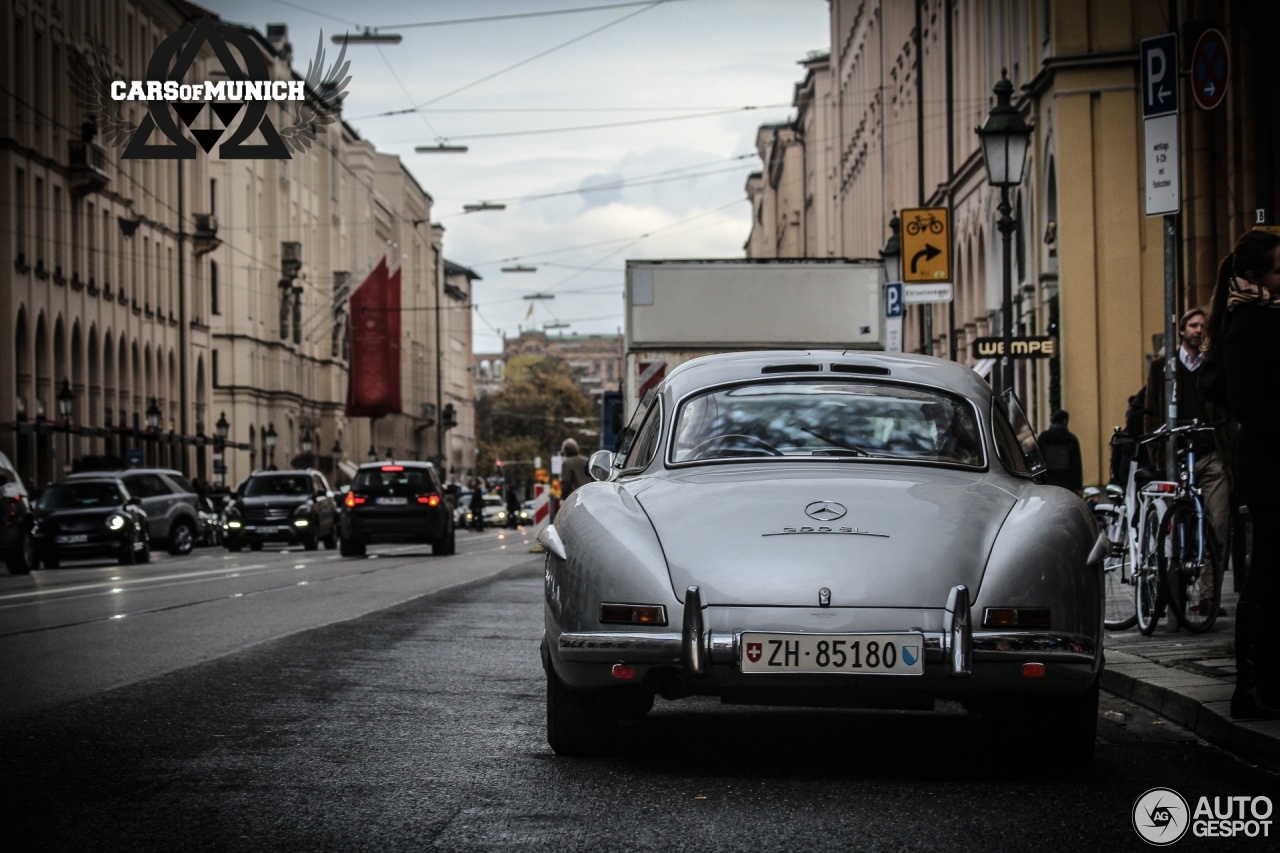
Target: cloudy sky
527, 96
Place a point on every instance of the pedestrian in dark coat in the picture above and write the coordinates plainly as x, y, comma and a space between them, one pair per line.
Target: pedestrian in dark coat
1061, 451
573, 470
1244, 328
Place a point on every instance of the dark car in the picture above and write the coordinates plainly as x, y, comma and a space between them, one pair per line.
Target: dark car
169, 500
15, 517
396, 502
83, 518
295, 507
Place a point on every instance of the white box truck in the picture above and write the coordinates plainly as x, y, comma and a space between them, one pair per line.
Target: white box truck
678, 310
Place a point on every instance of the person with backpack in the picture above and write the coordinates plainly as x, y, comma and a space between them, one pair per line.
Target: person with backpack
1061, 451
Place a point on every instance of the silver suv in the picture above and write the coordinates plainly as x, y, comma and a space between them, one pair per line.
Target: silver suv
169, 500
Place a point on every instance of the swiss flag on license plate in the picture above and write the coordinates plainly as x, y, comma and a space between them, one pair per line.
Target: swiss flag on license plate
754, 650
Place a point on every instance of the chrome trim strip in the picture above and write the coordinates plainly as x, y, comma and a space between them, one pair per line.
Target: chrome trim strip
959, 631
615, 647
692, 654
1039, 643
549, 538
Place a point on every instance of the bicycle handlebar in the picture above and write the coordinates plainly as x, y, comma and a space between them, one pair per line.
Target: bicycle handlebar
1163, 431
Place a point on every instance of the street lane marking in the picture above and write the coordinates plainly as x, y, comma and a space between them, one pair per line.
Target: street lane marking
79, 587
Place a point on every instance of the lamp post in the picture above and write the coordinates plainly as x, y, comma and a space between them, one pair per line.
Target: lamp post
66, 400
1005, 137
306, 446
153, 415
271, 436
373, 454
222, 429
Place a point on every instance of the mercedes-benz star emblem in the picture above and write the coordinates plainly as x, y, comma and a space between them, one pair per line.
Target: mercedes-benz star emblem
825, 510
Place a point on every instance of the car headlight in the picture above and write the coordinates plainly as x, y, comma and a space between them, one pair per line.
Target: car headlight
300, 522
116, 522
502, 514
233, 524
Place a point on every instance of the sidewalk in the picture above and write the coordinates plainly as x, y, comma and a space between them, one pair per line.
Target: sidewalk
1189, 678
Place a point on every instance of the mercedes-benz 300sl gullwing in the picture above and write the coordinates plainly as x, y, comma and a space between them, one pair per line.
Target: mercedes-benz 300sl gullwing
844, 529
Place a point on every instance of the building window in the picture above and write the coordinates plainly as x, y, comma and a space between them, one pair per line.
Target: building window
213, 366
213, 288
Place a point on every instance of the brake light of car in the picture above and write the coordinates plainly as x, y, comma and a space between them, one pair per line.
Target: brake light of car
624, 671
1016, 617
353, 499
429, 500
1033, 670
634, 614
392, 467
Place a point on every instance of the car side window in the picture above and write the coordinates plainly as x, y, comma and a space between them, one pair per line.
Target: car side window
318, 484
646, 443
183, 484
146, 485
1007, 447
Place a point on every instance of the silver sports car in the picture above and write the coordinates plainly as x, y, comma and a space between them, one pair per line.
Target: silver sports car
827, 529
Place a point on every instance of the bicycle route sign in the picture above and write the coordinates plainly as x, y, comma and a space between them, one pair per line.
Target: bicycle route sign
926, 245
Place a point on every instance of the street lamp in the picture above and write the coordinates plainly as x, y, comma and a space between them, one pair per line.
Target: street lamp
222, 429
1005, 138
153, 415
373, 454
66, 399
270, 436
306, 446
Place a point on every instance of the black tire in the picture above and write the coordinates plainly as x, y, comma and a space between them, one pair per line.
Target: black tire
1147, 589
1120, 612
352, 548
311, 543
255, 546
19, 560
144, 556
1186, 566
128, 556
578, 724
182, 537
446, 546
331, 541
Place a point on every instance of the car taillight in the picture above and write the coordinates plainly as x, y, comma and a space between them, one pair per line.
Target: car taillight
429, 500
354, 500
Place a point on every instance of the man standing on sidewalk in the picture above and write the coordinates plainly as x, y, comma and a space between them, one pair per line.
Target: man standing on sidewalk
1211, 468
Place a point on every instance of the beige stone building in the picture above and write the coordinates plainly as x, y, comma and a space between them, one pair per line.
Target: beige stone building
182, 292
892, 127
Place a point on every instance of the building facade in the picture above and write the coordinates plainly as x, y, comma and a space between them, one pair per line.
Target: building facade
892, 127
164, 299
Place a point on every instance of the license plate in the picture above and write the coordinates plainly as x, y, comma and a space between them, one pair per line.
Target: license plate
393, 501
72, 539
874, 654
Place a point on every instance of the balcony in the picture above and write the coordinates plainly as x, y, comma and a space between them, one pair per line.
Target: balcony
88, 166
205, 237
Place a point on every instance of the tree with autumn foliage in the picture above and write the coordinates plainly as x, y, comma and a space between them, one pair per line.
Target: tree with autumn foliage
538, 407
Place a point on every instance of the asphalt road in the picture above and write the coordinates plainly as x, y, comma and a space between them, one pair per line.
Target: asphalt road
420, 726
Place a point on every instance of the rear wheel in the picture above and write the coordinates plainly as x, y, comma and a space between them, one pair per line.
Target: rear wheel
331, 541
1193, 579
352, 548
446, 546
578, 724
21, 560
182, 538
1147, 594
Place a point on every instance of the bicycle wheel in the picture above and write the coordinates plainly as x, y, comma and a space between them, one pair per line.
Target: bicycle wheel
1120, 608
1147, 596
1193, 575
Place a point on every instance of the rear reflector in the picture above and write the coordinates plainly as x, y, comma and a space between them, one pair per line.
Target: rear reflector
1164, 488
429, 500
624, 671
1033, 670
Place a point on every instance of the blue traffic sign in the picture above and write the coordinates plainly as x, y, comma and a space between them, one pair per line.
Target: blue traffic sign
893, 299
1159, 57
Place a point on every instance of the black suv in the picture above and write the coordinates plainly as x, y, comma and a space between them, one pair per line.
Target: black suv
282, 506
15, 520
396, 502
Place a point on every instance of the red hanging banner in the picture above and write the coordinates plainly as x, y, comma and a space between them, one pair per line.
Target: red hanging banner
373, 382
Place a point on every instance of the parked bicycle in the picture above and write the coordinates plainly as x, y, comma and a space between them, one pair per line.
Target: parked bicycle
1144, 494
1193, 567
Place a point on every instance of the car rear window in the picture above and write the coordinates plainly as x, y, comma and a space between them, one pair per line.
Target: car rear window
376, 481
823, 419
